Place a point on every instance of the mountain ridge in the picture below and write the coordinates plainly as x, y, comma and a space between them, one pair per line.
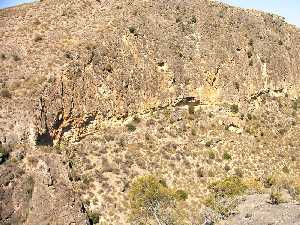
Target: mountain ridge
97, 93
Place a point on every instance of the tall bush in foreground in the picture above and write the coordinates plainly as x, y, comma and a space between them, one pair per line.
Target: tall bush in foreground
223, 197
152, 202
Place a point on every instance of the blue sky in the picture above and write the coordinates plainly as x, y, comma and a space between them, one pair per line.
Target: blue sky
7, 3
290, 9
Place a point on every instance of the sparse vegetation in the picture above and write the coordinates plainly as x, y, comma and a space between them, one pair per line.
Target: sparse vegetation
108, 68
193, 132
254, 185
222, 206
161, 64
2, 56
251, 62
295, 104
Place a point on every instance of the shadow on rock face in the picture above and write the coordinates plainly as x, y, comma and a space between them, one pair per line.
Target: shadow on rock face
44, 139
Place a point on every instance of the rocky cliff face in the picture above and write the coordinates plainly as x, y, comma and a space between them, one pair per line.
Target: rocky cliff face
67, 63
124, 88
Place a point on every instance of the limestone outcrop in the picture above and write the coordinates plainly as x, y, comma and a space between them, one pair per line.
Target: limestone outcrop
68, 63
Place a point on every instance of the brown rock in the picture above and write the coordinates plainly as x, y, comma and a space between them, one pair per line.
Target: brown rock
90, 63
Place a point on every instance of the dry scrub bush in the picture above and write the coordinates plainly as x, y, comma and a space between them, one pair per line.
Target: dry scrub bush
223, 195
152, 202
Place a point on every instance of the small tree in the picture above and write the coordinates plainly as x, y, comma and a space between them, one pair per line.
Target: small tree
151, 199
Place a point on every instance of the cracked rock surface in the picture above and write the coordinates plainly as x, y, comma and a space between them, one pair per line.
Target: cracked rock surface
36, 190
66, 63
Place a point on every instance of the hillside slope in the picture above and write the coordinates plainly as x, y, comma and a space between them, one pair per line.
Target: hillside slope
69, 61
97, 92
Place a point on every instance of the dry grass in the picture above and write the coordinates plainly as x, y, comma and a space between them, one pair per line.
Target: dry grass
188, 161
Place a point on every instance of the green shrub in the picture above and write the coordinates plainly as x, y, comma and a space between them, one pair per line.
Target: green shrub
194, 132
151, 199
181, 195
226, 156
234, 108
223, 198
93, 217
285, 169
276, 197
131, 127
132, 30
229, 187
211, 155
208, 144
220, 205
